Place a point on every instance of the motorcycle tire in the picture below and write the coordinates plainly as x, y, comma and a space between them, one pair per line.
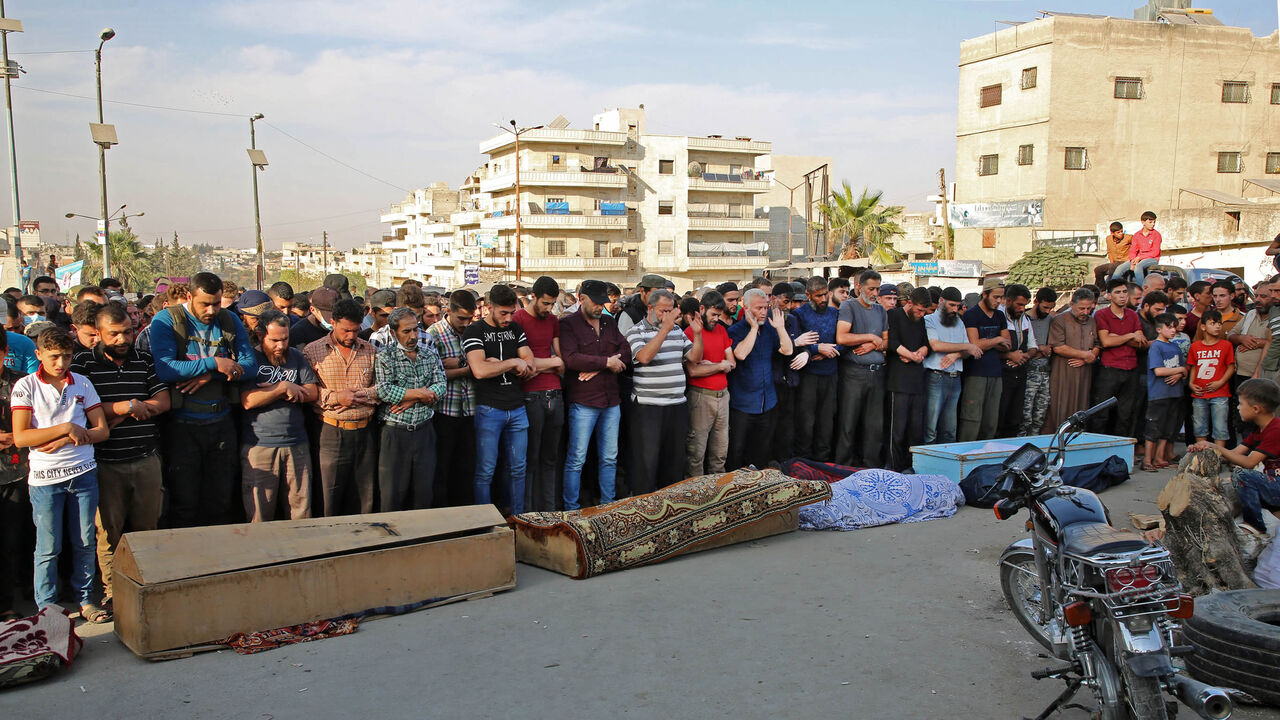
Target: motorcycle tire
1233, 655
1243, 617
1015, 585
1142, 697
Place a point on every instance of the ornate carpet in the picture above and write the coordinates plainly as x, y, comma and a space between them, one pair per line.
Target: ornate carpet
868, 498
34, 647
650, 528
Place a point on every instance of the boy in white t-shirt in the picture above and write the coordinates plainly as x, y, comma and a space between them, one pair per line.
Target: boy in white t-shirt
57, 415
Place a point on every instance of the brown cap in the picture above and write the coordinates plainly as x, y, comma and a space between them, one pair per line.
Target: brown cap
323, 298
652, 281
992, 284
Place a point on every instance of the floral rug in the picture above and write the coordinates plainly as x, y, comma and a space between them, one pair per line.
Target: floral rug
868, 498
261, 641
34, 647
650, 528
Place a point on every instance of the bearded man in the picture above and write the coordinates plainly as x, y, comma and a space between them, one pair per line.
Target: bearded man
130, 478
948, 347
275, 455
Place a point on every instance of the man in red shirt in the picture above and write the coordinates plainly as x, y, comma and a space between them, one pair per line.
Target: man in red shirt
543, 399
1144, 250
1120, 334
708, 440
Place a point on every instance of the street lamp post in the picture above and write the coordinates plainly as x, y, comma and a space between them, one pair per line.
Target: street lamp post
257, 162
103, 144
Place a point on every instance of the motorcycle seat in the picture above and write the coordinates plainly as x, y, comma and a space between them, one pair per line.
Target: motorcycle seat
1090, 538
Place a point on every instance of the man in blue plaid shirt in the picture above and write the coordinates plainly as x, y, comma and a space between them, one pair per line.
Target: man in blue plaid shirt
410, 379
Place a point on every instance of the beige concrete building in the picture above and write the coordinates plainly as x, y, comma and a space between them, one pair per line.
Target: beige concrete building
420, 244
800, 184
1069, 122
613, 202
310, 259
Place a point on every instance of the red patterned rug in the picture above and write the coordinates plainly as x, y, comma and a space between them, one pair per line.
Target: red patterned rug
261, 641
649, 528
34, 647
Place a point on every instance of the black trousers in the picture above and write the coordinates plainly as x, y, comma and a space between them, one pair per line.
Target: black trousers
542, 488
1239, 428
906, 420
200, 464
1124, 386
455, 460
784, 427
406, 467
861, 416
749, 435
658, 436
348, 464
15, 551
1013, 394
816, 397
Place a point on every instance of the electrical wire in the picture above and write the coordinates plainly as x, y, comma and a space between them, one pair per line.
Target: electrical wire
279, 224
50, 52
343, 164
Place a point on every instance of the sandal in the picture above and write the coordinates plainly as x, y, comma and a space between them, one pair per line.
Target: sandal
93, 614
1148, 467
1160, 464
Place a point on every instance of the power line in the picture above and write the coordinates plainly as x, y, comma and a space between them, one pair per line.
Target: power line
50, 52
279, 224
345, 165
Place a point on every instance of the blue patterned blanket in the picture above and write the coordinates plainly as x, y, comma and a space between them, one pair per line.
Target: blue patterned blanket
874, 497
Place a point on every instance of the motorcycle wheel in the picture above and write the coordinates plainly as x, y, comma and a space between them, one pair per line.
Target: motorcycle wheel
1021, 586
1142, 697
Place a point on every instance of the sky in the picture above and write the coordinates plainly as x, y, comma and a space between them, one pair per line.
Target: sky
365, 101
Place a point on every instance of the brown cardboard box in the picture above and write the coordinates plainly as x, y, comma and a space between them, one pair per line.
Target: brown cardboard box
181, 588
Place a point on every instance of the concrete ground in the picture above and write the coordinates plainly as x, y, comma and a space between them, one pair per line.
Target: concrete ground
903, 621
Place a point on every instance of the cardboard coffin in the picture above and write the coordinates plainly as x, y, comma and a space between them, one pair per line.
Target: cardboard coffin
180, 588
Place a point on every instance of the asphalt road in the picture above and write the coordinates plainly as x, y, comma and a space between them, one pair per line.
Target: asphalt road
903, 621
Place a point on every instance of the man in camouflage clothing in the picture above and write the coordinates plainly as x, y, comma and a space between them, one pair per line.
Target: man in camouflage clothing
1035, 405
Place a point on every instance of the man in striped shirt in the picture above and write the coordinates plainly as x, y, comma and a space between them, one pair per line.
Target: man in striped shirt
659, 414
129, 472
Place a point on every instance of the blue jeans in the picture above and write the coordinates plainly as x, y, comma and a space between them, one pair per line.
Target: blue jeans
73, 502
1202, 409
943, 393
1140, 273
1258, 492
583, 421
507, 430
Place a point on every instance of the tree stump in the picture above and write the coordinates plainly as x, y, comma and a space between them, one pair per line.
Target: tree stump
1200, 530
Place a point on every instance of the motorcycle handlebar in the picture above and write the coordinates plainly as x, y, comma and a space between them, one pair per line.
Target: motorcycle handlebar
1080, 417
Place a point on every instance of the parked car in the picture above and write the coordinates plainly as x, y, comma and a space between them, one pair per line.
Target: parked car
1209, 275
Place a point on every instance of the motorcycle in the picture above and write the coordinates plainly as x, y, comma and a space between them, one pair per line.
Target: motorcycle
1104, 602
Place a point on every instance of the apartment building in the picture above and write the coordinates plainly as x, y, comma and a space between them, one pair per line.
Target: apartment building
613, 202
310, 258
420, 243
1069, 122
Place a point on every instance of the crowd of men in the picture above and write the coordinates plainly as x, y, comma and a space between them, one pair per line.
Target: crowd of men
131, 415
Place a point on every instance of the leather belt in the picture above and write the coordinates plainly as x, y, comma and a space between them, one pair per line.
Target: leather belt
406, 426
712, 393
953, 374
874, 367
346, 424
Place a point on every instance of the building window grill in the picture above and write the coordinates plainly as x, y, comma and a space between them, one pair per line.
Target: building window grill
989, 96
1075, 158
1026, 154
1128, 88
1028, 78
1235, 92
1229, 162
988, 164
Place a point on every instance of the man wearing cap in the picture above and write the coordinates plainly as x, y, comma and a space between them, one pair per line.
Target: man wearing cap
595, 354
944, 366
816, 396
543, 398
319, 322
863, 326
381, 303
636, 307
889, 297
1015, 362
660, 414
251, 306
988, 328
339, 284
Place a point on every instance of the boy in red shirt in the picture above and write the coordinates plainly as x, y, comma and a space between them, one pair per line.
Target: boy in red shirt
1144, 250
1212, 362
1259, 398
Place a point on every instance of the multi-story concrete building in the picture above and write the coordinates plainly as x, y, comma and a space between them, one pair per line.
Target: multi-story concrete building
614, 201
421, 238
1069, 122
310, 259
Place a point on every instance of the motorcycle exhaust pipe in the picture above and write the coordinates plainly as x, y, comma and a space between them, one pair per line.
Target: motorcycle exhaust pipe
1209, 702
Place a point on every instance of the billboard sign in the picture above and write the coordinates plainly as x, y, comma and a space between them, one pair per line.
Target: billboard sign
1017, 213
948, 268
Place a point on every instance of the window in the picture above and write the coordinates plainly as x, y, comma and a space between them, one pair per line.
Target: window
1028, 78
1128, 88
988, 237
666, 207
556, 248
1232, 224
989, 96
988, 164
1229, 162
1075, 158
1273, 163
1235, 92
666, 247
557, 160
666, 167
1275, 93
1026, 154
555, 199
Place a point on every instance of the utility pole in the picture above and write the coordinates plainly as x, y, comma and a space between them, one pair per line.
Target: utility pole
104, 36
517, 134
257, 162
325, 252
7, 26
946, 216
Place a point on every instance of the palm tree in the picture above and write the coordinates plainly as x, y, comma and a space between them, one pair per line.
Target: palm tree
130, 264
863, 226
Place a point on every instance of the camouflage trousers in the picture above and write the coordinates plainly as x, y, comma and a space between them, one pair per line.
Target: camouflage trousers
1035, 405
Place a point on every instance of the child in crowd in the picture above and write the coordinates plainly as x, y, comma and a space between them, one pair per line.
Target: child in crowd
1181, 338
1213, 363
1258, 491
1165, 386
58, 415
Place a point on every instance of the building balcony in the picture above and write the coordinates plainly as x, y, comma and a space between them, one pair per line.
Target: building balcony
727, 262
543, 221
733, 224
544, 263
470, 217
713, 182
552, 135
749, 147
541, 178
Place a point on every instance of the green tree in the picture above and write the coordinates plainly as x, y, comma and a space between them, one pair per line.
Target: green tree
1058, 268
864, 226
130, 263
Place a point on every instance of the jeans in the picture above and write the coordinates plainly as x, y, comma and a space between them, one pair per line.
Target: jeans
1139, 274
940, 408
74, 502
1258, 492
507, 430
1203, 410
583, 421
545, 409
